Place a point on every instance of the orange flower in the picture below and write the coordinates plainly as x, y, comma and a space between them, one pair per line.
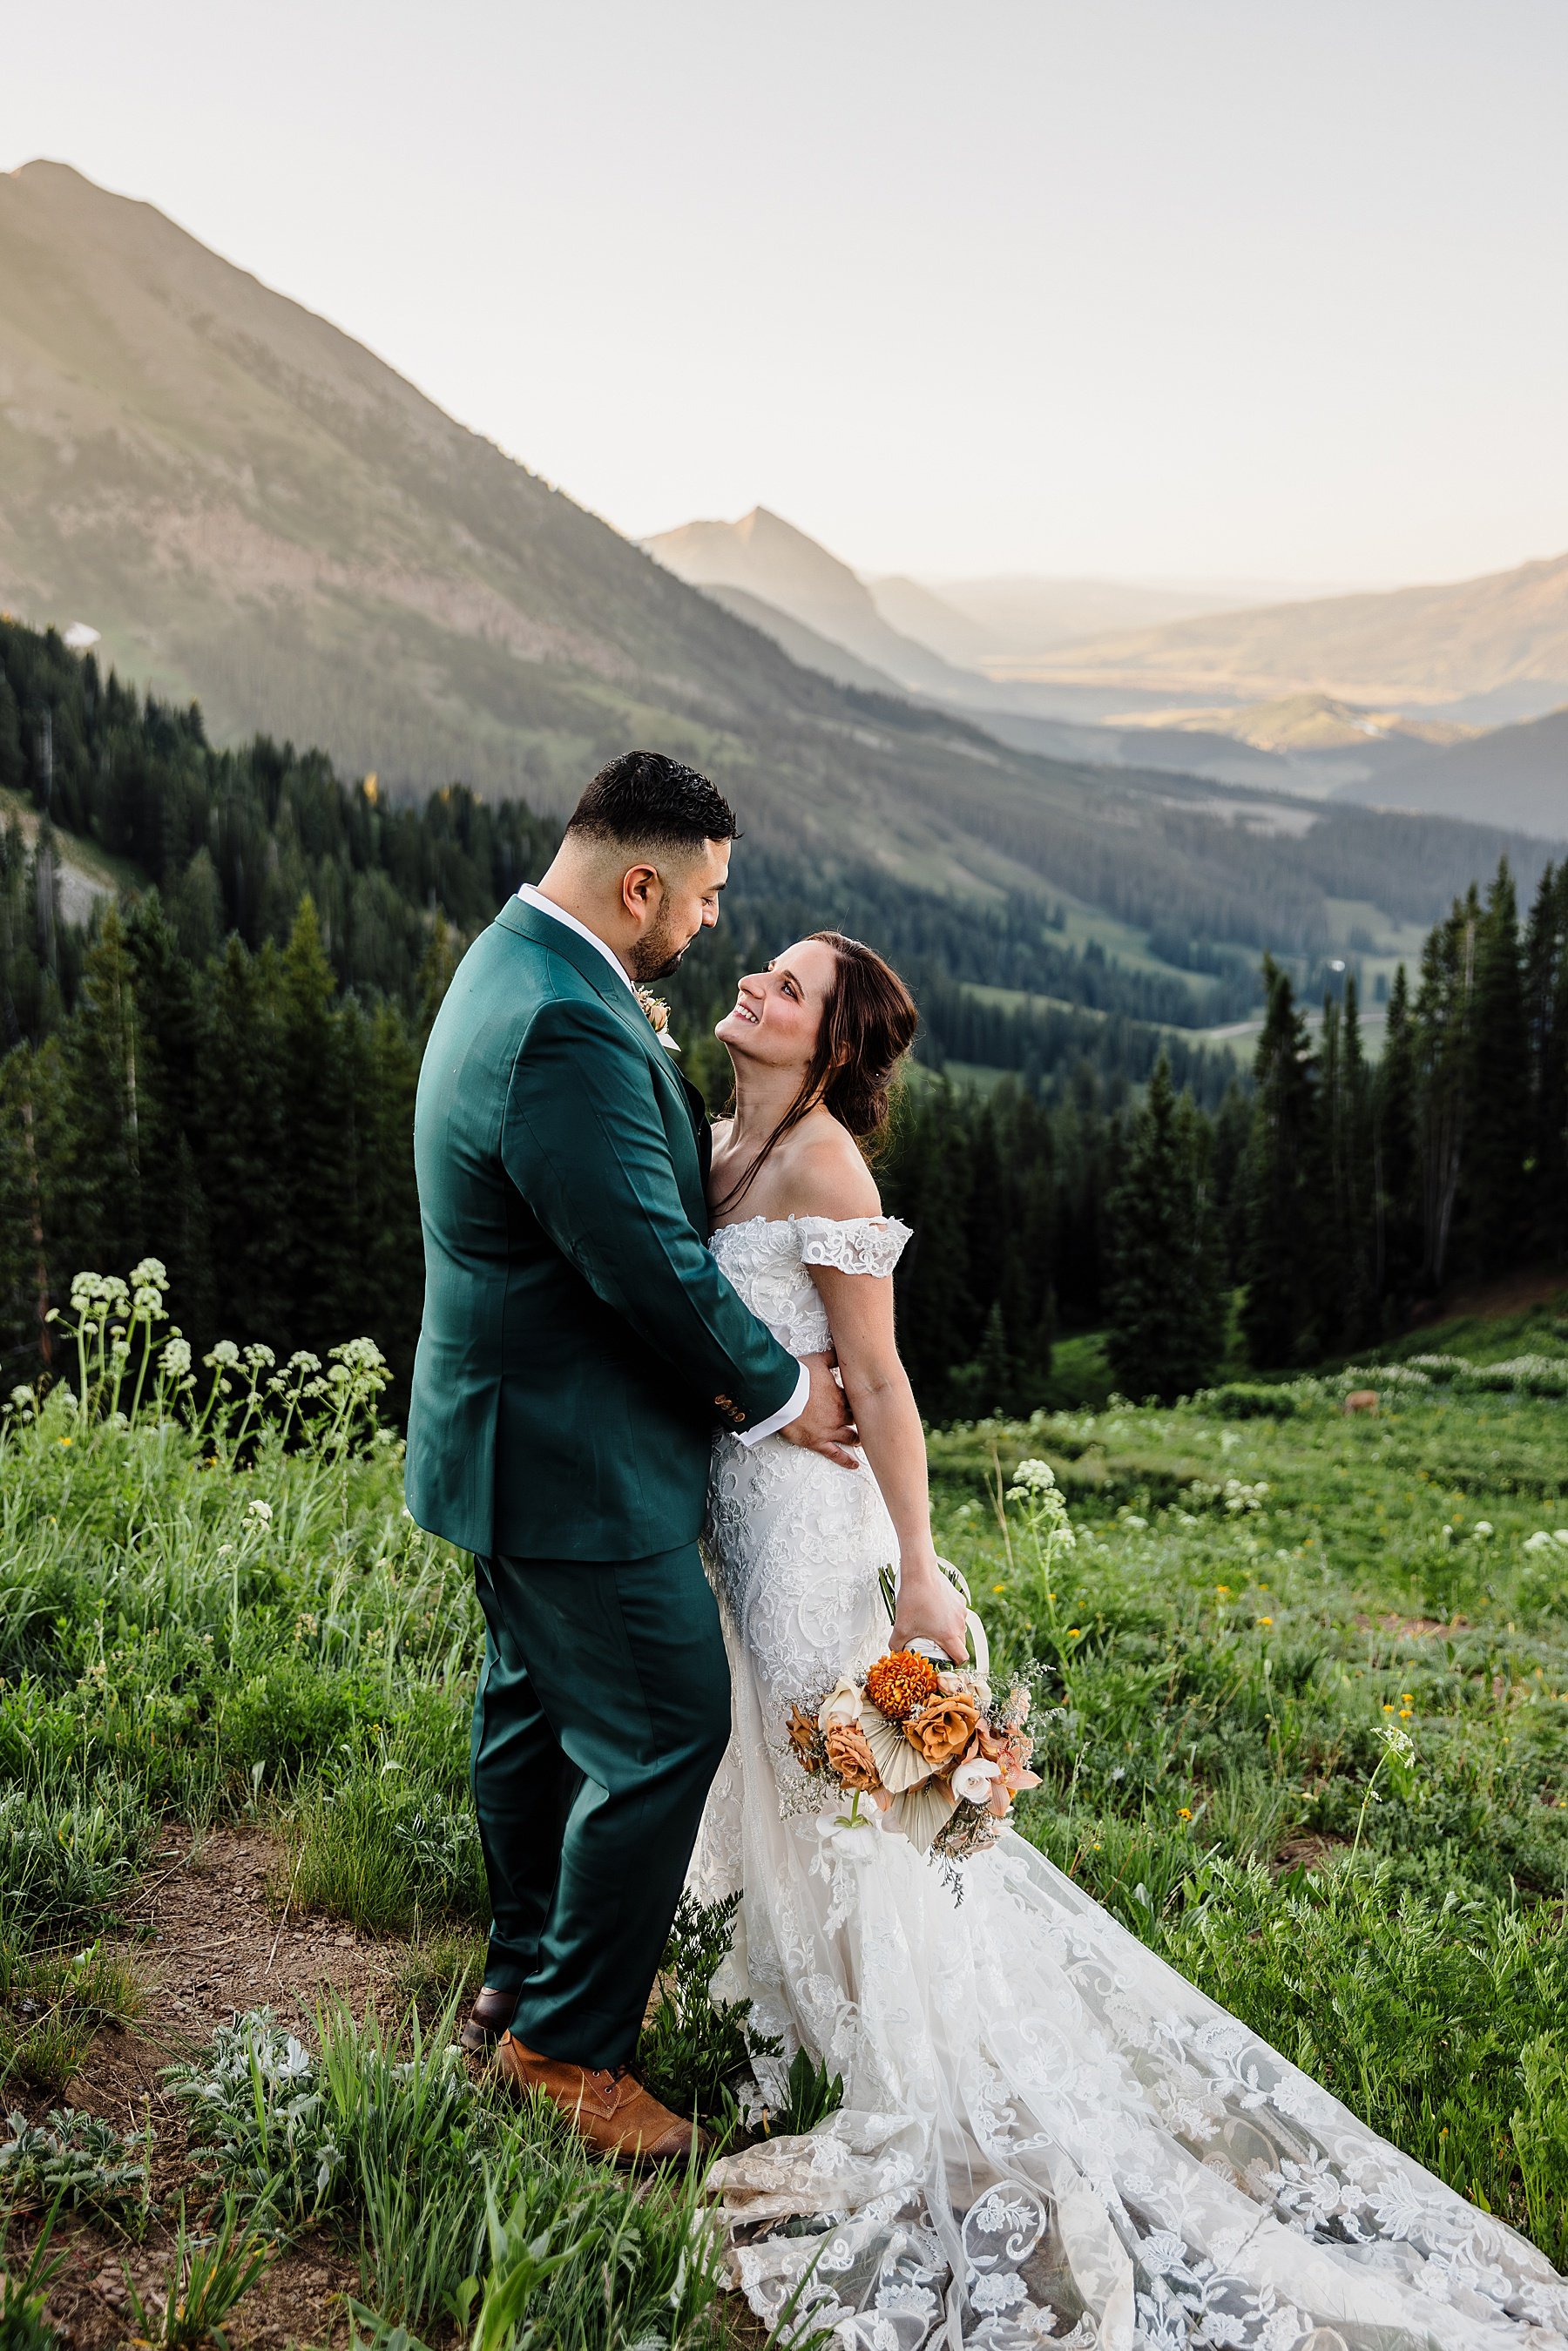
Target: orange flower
806, 1739
901, 1683
850, 1758
941, 1731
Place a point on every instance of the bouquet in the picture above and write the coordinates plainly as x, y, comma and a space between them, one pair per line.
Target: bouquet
921, 1747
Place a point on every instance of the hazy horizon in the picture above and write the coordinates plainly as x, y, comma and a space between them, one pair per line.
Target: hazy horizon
1207, 298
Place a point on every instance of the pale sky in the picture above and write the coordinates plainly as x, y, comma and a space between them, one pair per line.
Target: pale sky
1196, 288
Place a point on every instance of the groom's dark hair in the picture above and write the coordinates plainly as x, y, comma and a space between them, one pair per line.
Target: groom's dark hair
644, 800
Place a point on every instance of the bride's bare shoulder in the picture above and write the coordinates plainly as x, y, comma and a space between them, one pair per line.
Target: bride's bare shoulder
826, 1176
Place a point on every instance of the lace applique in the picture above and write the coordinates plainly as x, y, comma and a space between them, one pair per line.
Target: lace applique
765, 1259
871, 1245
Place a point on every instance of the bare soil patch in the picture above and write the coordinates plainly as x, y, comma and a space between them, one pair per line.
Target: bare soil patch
204, 1929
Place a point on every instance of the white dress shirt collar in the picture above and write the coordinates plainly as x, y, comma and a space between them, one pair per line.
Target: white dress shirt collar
543, 906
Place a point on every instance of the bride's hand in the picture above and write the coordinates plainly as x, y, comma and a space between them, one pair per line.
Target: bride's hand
929, 1609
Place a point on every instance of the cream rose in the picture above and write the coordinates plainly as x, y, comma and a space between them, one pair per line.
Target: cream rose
842, 1704
973, 1779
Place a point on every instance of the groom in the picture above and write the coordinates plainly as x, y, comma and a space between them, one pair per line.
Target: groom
579, 1348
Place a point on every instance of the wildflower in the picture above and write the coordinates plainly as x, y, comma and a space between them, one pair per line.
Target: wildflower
1033, 1478
1184, 1811
224, 1356
999, 1587
1483, 1527
1265, 1620
175, 1357
62, 1440
262, 1510
1074, 1632
1223, 1590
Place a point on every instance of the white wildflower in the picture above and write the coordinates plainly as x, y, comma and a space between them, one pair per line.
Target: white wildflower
1033, 1478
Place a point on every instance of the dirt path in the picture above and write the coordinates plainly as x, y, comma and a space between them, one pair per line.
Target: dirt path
203, 1932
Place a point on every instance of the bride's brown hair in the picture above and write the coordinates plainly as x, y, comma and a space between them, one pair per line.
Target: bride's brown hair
868, 1024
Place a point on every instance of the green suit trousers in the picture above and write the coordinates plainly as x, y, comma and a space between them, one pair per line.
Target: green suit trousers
602, 1715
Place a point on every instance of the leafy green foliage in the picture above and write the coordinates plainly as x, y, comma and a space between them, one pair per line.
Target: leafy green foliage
207, 2276
24, 2325
811, 2095
694, 2050
469, 2209
73, 2158
53, 2004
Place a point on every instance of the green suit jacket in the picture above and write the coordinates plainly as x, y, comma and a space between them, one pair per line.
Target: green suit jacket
579, 1344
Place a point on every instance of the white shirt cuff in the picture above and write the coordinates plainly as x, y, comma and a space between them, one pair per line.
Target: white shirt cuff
781, 1419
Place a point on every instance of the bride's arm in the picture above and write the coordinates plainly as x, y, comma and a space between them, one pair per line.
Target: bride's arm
882, 1404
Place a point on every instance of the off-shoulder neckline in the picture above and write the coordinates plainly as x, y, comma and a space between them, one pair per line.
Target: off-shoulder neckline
743, 1224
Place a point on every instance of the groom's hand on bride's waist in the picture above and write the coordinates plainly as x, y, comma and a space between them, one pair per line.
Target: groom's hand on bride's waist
825, 1426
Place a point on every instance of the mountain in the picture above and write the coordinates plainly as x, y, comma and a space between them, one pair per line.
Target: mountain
1017, 617
253, 511
1489, 649
917, 611
1517, 775
766, 557
803, 644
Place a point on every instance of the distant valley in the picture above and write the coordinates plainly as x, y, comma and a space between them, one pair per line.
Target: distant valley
1235, 696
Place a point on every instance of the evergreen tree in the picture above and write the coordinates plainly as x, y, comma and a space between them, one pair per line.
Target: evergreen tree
1444, 1072
1546, 1028
1397, 1214
1498, 1116
1281, 1260
1165, 1297
1346, 1154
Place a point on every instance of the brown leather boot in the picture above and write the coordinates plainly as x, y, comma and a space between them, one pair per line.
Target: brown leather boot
615, 2114
487, 2020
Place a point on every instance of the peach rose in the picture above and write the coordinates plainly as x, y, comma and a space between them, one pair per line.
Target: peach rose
850, 1758
943, 1730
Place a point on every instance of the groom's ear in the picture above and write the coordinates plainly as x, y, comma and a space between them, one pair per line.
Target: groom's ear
639, 887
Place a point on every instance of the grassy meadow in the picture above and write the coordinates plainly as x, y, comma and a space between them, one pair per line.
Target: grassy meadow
1309, 1674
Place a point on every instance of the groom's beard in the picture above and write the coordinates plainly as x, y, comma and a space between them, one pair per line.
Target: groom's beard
655, 954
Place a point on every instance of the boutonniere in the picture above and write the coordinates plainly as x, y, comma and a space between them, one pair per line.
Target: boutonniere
658, 1013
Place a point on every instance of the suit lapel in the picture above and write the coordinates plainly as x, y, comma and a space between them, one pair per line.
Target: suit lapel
518, 916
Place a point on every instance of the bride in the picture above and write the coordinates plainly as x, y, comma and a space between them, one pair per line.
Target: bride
1046, 2135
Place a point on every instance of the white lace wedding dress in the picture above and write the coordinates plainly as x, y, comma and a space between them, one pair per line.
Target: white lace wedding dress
1046, 2135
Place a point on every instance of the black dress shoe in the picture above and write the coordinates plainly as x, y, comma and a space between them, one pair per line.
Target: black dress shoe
487, 2020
